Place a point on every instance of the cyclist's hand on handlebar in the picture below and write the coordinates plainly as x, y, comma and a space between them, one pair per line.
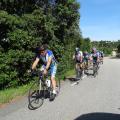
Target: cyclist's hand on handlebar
31, 71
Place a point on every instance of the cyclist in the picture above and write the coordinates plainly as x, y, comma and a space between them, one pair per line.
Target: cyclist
78, 57
86, 59
95, 56
101, 56
49, 64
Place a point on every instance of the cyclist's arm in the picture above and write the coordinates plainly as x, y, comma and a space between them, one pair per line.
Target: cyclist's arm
81, 56
35, 63
49, 62
98, 58
91, 57
73, 56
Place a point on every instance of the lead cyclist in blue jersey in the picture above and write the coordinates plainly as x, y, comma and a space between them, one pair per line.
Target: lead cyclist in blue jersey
49, 63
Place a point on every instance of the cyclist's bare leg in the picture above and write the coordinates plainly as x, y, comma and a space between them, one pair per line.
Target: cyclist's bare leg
88, 64
82, 67
76, 66
53, 84
102, 60
85, 65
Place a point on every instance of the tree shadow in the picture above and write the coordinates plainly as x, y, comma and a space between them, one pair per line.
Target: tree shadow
99, 116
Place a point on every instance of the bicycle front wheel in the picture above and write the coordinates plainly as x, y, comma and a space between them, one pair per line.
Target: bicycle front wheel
36, 95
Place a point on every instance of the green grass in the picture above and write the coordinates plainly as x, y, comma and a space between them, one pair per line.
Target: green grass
63, 76
8, 94
70, 73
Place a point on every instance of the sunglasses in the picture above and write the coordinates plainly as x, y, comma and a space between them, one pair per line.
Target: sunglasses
42, 51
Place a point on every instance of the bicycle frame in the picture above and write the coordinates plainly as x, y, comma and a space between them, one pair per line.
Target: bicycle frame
95, 68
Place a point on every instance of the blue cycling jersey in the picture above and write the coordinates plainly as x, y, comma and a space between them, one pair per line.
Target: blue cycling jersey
45, 58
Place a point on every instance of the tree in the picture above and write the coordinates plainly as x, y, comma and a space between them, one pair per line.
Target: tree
118, 48
26, 24
86, 46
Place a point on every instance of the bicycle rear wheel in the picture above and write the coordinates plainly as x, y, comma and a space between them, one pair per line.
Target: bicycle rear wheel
36, 95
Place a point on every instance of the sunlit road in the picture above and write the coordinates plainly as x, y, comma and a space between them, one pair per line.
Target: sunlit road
92, 99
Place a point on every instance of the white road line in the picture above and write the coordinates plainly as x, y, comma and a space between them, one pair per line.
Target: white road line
84, 76
75, 83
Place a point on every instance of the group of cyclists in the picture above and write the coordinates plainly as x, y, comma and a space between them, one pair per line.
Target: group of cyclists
84, 59
50, 63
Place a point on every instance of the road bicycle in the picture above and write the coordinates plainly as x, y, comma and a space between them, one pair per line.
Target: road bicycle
40, 89
101, 60
95, 68
79, 71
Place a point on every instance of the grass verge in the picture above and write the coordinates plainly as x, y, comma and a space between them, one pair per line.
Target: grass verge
70, 73
9, 94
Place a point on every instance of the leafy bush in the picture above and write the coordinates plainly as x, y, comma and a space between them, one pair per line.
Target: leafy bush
24, 25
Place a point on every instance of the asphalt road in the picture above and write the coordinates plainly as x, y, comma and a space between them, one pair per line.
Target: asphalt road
92, 99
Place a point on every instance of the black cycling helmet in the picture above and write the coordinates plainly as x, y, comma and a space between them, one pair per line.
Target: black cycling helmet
43, 47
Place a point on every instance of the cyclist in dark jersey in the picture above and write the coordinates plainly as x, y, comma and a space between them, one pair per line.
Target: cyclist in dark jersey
95, 55
86, 58
101, 56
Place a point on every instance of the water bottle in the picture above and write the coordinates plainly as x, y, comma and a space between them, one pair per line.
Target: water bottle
48, 82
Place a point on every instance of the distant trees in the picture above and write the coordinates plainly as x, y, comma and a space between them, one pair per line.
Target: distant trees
106, 46
118, 46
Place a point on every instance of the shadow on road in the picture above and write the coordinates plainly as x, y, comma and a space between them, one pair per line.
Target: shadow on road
38, 99
114, 57
72, 79
99, 116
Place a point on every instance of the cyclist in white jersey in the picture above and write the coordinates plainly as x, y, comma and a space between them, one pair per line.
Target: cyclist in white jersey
78, 57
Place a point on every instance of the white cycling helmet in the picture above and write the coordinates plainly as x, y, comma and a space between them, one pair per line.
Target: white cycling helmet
77, 49
94, 49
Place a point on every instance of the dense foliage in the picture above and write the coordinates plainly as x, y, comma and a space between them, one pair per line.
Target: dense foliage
106, 46
25, 24
86, 45
118, 46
